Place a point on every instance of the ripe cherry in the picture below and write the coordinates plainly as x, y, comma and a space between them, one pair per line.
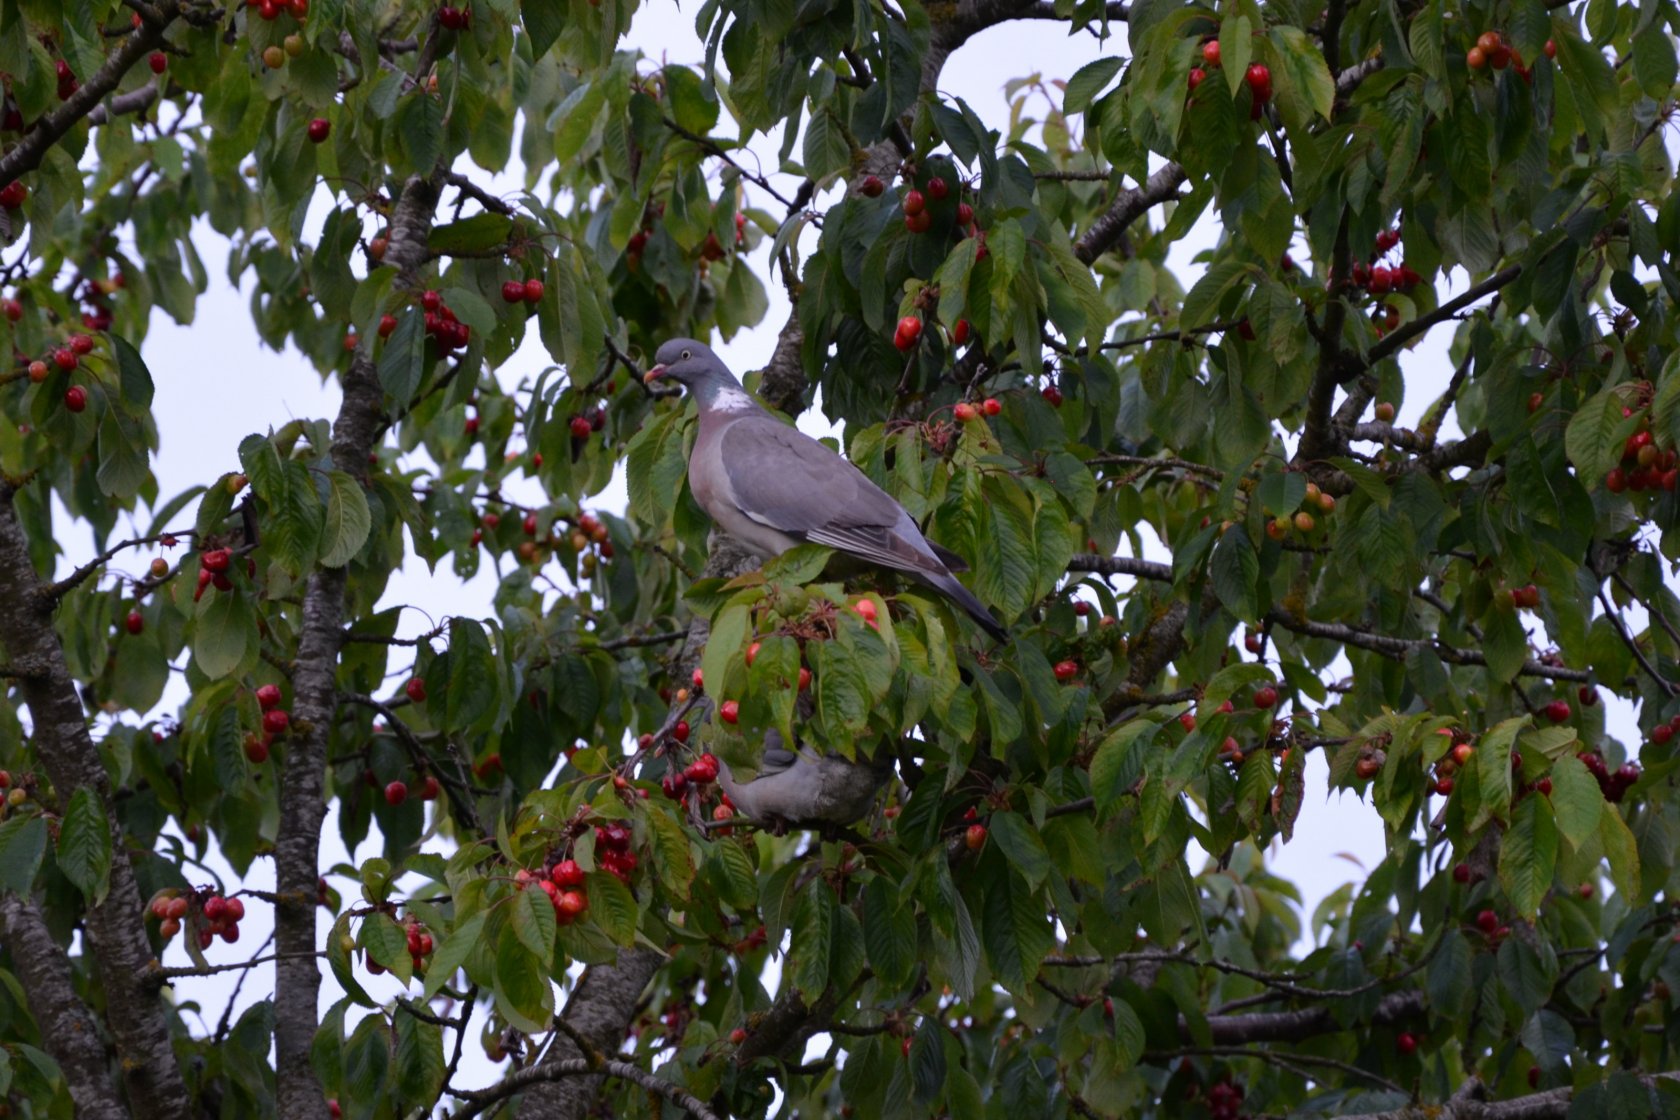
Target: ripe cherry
959, 333
1487, 921
1052, 395
908, 332
276, 721
1557, 711
416, 690
964, 412
1588, 695
65, 358
13, 194
429, 789
730, 711
533, 290
991, 406
1066, 670
396, 793
513, 291
1210, 52
158, 61
580, 427
135, 622
1406, 1043
1265, 697
1461, 873
75, 398
975, 837
1187, 720
319, 129
914, 204
871, 187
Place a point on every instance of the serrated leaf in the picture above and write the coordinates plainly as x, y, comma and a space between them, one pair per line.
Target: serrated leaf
452, 951
400, 366
386, 943
1528, 855
1111, 761
613, 908
813, 936
671, 854
1621, 850
1576, 800
1235, 571
84, 846
534, 923
889, 933
348, 520
224, 629
23, 840
1021, 843
1088, 81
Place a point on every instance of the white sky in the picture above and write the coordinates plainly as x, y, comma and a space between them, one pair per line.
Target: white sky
216, 384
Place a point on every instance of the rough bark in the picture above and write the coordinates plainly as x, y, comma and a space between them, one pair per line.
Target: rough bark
116, 935
67, 1028
314, 682
599, 1010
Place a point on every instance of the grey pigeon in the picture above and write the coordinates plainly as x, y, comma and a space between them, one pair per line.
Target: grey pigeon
772, 487
799, 787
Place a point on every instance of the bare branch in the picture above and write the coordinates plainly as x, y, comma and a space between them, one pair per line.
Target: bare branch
1120, 566
479, 1101
1106, 230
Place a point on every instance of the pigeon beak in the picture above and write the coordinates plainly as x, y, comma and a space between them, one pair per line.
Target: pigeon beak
653, 374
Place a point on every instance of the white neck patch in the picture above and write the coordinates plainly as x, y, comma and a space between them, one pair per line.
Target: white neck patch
732, 399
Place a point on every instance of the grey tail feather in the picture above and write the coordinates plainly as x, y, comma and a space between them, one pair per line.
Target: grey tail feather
951, 560
962, 597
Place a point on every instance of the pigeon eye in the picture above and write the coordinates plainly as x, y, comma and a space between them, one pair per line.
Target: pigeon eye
686, 355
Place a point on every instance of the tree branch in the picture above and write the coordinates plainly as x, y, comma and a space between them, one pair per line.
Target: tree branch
67, 1029
27, 154
553, 1072
1549, 1104
1132, 204
302, 804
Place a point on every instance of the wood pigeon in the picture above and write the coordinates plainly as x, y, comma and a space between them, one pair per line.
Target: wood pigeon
800, 787
772, 486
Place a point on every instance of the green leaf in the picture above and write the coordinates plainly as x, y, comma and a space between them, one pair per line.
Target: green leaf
524, 994
889, 933
1528, 855
419, 1063
451, 951
476, 234
613, 908
694, 103
1203, 300
1088, 81
545, 20
400, 361
348, 520
133, 377
386, 943
1235, 571
225, 630
23, 840
1622, 853
1113, 760
1493, 769
534, 924
1017, 930
84, 846
813, 934
672, 855
1302, 74
1576, 799
1021, 843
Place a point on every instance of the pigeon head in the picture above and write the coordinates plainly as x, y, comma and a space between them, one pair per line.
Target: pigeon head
692, 365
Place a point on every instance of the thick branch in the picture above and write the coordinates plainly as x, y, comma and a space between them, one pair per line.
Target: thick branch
51, 128
602, 1003
1121, 566
302, 804
68, 1031
1466, 1104
1106, 230
579, 1068
115, 935
1305, 1023
1397, 648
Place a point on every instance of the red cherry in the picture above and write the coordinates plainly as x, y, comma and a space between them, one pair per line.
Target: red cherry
1187, 720
1066, 670
581, 427
907, 334
1053, 395
135, 622
737, 1036
1588, 695
804, 678
965, 213
567, 874
533, 290
429, 789
1406, 1042
276, 720
680, 731
1487, 921
752, 654
914, 204
1259, 79
991, 406
918, 223
975, 837
396, 793
871, 187
268, 697
513, 291
937, 189
416, 690
65, 358
1210, 52
215, 908
1265, 697
1661, 734
75, 398
13, 194
1461, 873
158, 61
960, 332
1557, 711
964, 412
729, 711
319, 129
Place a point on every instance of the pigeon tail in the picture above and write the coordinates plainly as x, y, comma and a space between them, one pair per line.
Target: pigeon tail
948, 586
